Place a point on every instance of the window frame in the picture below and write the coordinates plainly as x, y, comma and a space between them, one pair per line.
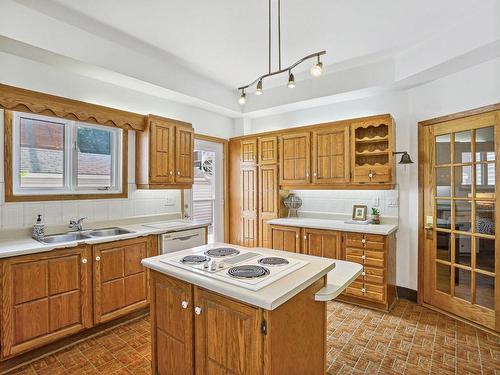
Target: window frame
70, 189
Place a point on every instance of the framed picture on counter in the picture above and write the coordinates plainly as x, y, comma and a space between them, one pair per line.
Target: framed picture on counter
359, 212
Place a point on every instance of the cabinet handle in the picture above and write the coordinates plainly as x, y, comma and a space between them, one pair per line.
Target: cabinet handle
363, 290
184, 304
197, 310
363, 256
97, 258
84, 261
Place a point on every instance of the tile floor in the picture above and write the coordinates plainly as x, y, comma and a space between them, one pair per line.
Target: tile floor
409, 340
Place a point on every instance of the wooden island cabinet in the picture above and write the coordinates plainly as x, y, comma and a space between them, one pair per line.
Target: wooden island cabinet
196, 331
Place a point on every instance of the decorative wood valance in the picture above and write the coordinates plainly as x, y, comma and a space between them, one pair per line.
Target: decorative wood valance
17, 99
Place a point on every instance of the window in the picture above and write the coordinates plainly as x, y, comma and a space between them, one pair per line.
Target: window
59, 156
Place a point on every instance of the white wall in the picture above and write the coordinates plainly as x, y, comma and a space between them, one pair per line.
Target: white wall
471, 88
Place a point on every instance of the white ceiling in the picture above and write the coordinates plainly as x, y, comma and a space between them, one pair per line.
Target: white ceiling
226, 40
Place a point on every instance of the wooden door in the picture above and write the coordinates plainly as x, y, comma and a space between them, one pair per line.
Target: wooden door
184, 155
248, 155
295, 159
172, 326
330, 155
285, 238
120, 280
228, 337
462, 254
268, 150
161, 151
249, 224
322, 243
268, 200
44, 297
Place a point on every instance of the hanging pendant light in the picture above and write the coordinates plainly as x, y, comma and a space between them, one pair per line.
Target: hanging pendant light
258, 90
316, 70
291, 80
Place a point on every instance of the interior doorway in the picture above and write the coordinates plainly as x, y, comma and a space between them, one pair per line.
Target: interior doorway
459, 242
205, 201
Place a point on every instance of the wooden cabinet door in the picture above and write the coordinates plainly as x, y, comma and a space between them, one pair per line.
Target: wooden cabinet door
161, 151
248, 183
295, 159
120, 280
248, 152
268, 150
322, 243
184, 155
285, 238
268, 200
44, 297
228, 338
330, 156
172, 326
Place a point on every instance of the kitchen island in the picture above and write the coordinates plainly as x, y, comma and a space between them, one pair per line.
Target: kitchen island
225, 309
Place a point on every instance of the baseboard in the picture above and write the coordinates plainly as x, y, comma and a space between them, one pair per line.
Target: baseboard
406, 293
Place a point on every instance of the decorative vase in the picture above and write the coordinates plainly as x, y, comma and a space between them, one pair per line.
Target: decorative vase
375, 219
293, 203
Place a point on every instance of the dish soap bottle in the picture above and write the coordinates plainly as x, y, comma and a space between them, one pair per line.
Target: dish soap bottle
38, 229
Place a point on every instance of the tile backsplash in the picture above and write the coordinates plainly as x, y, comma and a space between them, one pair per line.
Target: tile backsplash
341, 201
138, 203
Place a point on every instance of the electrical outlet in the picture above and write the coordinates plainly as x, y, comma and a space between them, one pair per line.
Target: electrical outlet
376, 202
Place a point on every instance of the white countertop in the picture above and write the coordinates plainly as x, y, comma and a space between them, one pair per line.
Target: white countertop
340, 275
340, 225
25, 245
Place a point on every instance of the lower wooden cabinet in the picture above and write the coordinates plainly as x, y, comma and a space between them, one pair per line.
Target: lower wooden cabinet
285, 238
120, 280
203, 333
45, 297
322, 243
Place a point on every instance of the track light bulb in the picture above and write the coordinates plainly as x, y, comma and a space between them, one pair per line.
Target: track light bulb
243, 98
317, 69
259, 91
291, 81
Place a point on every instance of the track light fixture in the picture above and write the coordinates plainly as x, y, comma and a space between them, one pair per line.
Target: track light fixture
315, 70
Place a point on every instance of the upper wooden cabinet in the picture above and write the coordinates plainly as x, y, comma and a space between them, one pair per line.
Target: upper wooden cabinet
164, 154
372, 148
295, 158
268, 150
45, 297
248, 211
330, 155
249, 152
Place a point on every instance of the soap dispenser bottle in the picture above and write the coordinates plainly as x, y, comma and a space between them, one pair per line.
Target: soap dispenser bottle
38, 229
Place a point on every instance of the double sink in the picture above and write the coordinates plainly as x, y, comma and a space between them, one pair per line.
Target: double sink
83, 235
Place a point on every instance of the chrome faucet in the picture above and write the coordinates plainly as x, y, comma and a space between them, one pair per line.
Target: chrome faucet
76, 225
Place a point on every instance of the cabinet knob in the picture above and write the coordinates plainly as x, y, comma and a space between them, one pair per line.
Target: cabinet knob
98, 258
178, 173
84, 261
363, 273
296, 236
184, 304
363, 256
315, 174
305, 237
197, 310
307, 174
171, 173
363, 290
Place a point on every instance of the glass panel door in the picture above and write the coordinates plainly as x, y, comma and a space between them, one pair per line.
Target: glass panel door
461, 248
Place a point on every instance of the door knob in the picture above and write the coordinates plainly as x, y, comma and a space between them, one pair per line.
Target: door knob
184, 304
197, 310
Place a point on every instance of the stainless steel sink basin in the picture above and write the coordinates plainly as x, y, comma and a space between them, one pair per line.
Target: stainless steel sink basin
65, 237
115, 231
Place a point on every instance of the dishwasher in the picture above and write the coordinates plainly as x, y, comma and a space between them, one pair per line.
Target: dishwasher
182, 239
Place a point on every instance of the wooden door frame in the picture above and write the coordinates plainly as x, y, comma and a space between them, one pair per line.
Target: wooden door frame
421, 171
225, 159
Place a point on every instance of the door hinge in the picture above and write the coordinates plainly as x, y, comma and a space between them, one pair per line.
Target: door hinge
264, 327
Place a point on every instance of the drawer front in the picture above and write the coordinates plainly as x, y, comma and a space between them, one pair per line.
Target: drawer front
374, 275
355, 289
374, 258
365, 241
375, 292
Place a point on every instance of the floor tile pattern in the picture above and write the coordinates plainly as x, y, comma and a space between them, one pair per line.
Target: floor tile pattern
409, 340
